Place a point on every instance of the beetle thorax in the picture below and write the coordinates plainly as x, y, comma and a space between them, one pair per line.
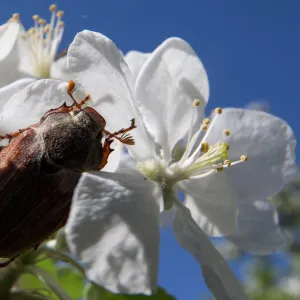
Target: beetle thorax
72, 140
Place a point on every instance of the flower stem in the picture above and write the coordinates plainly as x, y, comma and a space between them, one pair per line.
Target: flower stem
8, 277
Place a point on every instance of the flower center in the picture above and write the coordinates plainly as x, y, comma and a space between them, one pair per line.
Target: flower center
42, 41
199, 158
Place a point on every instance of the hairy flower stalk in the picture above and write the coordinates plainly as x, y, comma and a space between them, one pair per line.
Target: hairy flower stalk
8, 278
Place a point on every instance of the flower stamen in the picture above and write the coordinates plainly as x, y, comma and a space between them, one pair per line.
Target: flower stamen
207, 128
43, 41
198, 160
226, 132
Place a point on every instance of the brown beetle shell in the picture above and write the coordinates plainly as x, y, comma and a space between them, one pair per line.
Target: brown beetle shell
39, 170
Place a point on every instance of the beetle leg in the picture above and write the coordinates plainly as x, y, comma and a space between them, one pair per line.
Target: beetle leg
5, 264
125, 138
105, 153
10, 136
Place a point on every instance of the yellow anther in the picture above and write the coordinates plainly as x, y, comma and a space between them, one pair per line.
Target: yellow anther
52, 7
226, 132
42, 21
206, 121
35, 17
220, 169
196, 102
60, 13
61, 24
227, 162
30, 30
218, 110
15, 17
204, 147
47, 28
244, 158
204, 127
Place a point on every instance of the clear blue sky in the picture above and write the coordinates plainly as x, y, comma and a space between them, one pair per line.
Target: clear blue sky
251, 51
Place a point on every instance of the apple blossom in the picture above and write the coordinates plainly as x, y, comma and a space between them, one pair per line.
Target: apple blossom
31, 53
113, 227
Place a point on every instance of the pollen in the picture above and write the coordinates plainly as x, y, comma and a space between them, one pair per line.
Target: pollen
47, 28
218, 110
204, 127
42, 21
226, 132
206, 121
52, 7
244, 158
16, 17
228, 163
60, 14
35, 17
220, 168
204, 147
196, 102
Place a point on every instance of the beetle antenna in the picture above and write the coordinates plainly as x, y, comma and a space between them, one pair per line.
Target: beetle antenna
70, 90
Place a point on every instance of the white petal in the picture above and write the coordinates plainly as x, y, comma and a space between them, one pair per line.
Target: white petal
135, 61
257, 229
59, 69
8, 36
7, 91
96, 64
114, 158
113, 229
27, 106
212, 204
269, 144
169, 81
216, 272
10, 53
127, 165
25, 57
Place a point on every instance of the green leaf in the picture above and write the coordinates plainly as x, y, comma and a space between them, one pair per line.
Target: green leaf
27, 295
49, 281
58, 255
29, 281
95, 292
71, 281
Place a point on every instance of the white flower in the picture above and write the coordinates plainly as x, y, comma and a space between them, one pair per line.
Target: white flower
257, 229
114, 222
31, 53
113, 227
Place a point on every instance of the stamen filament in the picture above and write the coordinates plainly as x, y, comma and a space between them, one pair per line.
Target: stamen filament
43, 41
190, 145
195, 155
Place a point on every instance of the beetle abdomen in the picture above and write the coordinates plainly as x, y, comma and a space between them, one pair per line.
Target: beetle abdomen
34, 197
